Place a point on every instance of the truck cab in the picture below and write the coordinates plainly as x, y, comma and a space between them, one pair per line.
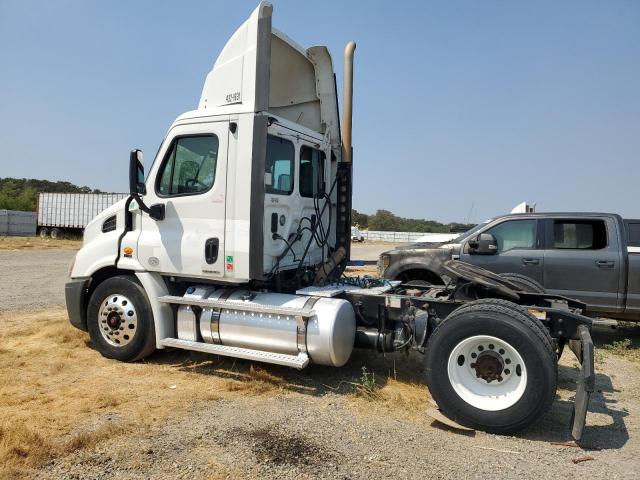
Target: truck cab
244, 187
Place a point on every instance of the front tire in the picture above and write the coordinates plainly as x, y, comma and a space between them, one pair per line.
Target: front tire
120, 320
491, 367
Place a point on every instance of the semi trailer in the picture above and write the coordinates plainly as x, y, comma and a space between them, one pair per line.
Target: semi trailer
62, 213
236, 240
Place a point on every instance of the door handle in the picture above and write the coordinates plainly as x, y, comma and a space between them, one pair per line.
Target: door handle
530, 261
605, 264
211, 250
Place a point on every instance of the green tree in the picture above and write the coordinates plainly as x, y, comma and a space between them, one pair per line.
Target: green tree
360, 219
21, 193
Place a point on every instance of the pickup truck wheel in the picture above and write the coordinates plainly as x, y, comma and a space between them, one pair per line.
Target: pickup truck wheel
490, 367
526, 284
120, 320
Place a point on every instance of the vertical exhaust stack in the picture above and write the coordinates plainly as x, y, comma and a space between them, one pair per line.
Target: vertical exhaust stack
347, 148
337, 262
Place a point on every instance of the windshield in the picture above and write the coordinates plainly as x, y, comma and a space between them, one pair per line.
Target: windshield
468, 233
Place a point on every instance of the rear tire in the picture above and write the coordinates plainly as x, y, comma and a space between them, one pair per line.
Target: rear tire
44, 232
54, 233
491, 367
525, 283
120, 319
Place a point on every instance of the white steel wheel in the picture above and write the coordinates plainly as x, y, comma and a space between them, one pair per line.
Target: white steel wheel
490, 365
117, 320
487, 373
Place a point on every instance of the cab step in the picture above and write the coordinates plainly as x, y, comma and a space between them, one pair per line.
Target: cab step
295, 361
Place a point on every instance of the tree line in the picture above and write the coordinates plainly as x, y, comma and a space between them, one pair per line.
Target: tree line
385, 221
20, 193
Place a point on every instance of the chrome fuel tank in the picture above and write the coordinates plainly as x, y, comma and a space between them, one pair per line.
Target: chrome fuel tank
329, 334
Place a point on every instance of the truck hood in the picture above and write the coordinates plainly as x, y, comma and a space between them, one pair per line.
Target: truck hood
94, 227
421, 248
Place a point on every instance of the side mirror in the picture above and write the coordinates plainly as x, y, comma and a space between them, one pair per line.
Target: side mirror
136, 173
483, 244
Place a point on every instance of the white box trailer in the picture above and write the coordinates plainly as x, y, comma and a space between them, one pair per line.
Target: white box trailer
71, 212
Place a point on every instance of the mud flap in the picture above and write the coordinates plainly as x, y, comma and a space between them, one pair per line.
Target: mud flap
583, 350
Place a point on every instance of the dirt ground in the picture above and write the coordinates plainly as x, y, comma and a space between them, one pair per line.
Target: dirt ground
37, 243
66, 412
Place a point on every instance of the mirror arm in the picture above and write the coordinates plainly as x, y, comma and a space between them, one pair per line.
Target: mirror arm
156, 212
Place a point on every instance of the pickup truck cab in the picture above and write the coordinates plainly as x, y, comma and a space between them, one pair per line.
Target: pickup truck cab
593, 257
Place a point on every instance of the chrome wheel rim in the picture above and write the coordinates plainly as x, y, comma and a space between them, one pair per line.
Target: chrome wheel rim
487, 373
117, 320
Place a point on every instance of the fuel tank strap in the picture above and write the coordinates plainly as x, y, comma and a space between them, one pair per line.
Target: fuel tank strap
215, 317
301, 324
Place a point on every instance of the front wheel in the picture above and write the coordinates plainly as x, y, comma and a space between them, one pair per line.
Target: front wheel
120, 320
491, 367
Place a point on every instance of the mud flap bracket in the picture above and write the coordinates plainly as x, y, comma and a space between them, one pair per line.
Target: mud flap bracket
583, 349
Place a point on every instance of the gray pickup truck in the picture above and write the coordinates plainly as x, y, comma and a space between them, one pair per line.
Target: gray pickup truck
592, 257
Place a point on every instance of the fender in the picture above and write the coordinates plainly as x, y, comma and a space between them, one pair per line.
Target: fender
397, 269
155, 287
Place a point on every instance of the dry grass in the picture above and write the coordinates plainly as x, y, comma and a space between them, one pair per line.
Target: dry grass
37, 243
370, 270
624, 348
57, 395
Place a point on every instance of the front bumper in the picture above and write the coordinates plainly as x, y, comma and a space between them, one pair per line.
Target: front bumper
583, 349
75, 293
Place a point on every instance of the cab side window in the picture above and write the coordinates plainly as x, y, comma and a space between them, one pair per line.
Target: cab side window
579, 234
633, 232
515, 234
190, 166
311, 172
278, 174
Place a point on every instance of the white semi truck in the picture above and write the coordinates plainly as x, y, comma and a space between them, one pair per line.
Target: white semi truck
236, 240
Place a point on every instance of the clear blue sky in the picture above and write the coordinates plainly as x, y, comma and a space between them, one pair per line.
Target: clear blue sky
456, 103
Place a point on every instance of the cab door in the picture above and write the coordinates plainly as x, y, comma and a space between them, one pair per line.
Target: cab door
189, 179
583, 260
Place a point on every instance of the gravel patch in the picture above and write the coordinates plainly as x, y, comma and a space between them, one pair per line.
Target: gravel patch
294, 435
33, 279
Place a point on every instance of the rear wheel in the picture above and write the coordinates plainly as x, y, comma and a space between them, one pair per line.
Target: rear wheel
526, 284
120, 320
54, 233
44, 232
491, 367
